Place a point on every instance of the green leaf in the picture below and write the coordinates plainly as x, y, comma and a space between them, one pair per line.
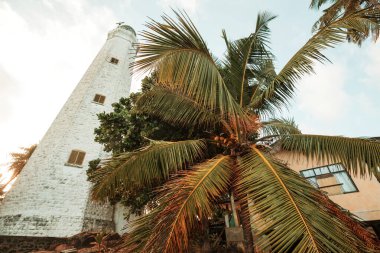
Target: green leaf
183, 201
176, 108
282, 88
146, 166
184, 64
245, 55
357, 155
343, 8
286, 213
280, 126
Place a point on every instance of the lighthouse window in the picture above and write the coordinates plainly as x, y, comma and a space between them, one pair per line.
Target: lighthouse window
76, 157
114, 61
99, 99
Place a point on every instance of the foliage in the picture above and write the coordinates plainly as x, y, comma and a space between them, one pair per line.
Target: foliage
100, 243
239, 95
19, 159
125, 130
343, 8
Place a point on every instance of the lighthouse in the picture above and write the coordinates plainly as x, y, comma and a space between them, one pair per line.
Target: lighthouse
51, 196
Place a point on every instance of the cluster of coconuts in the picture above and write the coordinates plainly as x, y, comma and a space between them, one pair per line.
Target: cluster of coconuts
222, 141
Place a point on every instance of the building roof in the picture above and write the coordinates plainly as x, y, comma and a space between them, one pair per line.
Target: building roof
128, 28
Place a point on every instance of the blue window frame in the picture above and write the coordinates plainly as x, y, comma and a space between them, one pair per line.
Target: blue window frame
332, 179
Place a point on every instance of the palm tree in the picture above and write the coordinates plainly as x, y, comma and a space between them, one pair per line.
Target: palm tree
341, 8
235, 100
18, 162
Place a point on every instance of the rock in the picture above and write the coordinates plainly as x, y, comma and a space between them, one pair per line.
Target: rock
89, 250
62, 247
72, 250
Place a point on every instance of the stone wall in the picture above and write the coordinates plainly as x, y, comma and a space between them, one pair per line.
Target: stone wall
122, 225
23, 244
98, 217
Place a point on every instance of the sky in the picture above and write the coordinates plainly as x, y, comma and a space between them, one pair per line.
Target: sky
47, 45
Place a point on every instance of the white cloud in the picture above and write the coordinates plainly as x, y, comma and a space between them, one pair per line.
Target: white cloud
372, 66
323, 96
42, 58
190, 6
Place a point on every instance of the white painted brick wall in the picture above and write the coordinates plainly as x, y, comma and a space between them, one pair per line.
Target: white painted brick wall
122, 225
49, 199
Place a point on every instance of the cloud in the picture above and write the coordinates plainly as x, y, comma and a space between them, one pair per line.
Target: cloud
323, 96
372, 66
190, 6
45, 55
8, 89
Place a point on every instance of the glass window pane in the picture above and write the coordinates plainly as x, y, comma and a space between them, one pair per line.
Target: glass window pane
346, 182
325, 170
307, 173
321, 171
313, 181
336, 167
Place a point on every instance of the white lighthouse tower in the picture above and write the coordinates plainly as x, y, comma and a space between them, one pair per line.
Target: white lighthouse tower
51, 196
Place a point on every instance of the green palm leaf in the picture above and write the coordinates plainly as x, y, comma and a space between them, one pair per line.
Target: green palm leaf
184, 63
281, 90
353, 153
176, 108
141, 230
19, 160
245, 55
265, 74
146, 166
343, 8
291, 218
280, 126
183, 201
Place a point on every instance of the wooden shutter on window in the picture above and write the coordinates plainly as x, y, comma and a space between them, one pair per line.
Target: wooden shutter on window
99, 98
76, 157
114, 60
80, 158
73, 157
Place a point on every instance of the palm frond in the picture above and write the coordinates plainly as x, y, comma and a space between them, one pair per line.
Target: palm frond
316, 4
183, 202
141, 230
145, 167
184, 64
357, 155
289, 217
265, 75
19, 160
341, 8
352, 222
280, 126
245, 55
176, 108
281, 89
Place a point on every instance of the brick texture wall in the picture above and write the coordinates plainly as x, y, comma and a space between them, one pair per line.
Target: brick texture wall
50, 198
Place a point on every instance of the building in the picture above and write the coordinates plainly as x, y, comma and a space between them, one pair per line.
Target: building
50, 198
360, 196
